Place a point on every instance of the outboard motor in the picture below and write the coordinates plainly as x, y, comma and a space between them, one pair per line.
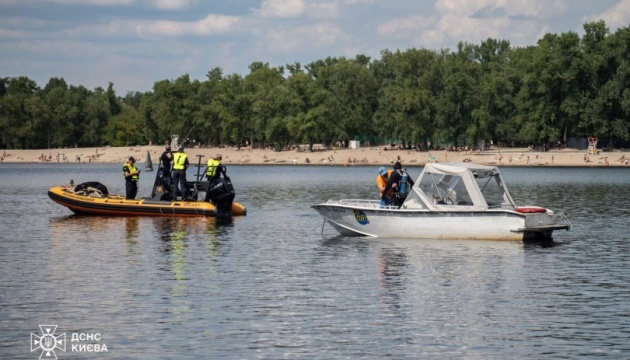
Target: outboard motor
221, 194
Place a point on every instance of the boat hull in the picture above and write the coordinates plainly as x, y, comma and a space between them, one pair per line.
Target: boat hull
368, 219
115, 205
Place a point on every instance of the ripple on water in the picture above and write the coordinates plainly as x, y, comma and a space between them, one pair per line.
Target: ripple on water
271, 285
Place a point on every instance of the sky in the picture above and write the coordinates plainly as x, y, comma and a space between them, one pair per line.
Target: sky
135, 43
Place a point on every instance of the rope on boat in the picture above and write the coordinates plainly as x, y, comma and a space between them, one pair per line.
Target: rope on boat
323, 223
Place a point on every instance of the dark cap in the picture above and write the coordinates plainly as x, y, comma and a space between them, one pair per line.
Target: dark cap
168, 147
397, 165
132, 159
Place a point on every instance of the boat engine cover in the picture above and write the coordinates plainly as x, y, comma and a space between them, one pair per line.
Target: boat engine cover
221, 194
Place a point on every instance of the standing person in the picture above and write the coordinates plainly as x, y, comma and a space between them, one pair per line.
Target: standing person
213, 172
180, 165
381, 182
401, 182
165, 159
131, 174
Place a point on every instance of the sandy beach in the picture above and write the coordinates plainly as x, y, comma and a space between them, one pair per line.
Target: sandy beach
376, 156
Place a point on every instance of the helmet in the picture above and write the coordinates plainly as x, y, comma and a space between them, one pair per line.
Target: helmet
382, 171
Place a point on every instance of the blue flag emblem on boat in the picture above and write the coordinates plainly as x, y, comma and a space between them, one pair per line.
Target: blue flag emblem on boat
361, 217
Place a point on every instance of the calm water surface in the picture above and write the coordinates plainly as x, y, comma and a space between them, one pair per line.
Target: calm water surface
271, 286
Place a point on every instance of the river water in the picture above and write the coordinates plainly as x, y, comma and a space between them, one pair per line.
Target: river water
272, 285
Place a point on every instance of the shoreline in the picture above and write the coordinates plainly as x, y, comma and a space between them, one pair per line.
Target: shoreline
372, 156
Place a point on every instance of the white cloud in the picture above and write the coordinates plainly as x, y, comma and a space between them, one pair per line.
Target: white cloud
326, 10
116, 28
172, 4
282, 8
7, 33
539, 8
288, 40
68, 2
472, 30
210, 25
616, 16
23, 23
406, 25
512, 8
474, 21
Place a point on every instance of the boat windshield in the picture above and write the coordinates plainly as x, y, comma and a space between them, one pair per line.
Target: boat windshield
445, 189
492, 189
452, 189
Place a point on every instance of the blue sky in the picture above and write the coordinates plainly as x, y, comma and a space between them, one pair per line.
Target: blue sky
134, 43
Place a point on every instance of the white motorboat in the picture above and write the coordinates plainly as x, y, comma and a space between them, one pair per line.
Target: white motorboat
448, 201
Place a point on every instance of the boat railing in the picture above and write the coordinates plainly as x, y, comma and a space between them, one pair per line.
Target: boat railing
565, 219
362, 203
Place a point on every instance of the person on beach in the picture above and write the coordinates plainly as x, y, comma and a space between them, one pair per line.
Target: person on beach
400, 182
166, 158
381, 182
180, 165
131, 174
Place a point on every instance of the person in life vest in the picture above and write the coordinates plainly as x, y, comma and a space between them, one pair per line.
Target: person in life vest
180, 165
131, 174
213, 172
401, 182
165, 159
381, 182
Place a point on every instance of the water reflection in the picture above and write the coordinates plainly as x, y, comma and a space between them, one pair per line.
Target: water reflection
131, 234
86, 228
392, 270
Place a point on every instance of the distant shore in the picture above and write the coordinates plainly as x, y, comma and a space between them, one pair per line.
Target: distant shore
377, 156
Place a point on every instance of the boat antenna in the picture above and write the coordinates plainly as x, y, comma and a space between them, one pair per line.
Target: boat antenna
186, 137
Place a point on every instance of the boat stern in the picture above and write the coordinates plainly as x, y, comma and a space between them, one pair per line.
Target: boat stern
539, 225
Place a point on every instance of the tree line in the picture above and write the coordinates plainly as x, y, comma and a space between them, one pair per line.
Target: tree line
563, 86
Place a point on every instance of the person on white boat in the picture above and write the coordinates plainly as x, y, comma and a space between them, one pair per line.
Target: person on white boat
381, 182
401, 182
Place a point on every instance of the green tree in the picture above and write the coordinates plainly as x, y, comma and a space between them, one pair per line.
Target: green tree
607, 115
552, 95
264, 88
125, 129
17, 103
457, 99
351, 96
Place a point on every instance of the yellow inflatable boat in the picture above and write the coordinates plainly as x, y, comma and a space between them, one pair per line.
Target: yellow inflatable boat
92, 202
